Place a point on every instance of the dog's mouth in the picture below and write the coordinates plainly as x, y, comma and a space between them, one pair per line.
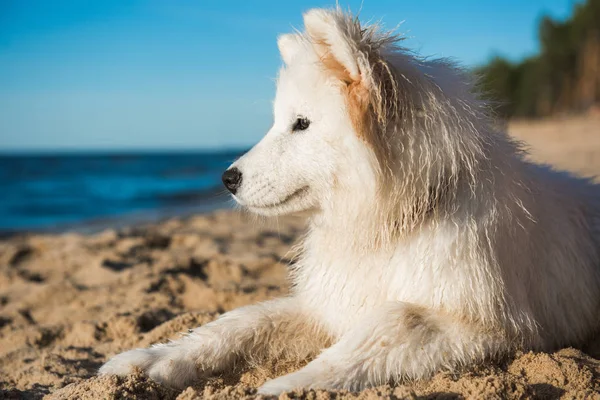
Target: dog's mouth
287, 199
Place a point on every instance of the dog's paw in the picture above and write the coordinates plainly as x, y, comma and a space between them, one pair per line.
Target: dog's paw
125, 363
170, 366
274, 387
288, 383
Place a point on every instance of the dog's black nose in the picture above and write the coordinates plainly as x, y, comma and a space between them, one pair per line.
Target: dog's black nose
232, 179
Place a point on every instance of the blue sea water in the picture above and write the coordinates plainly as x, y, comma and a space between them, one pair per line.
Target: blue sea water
87, 191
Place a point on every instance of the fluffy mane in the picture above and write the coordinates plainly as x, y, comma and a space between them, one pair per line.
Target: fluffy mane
431, 134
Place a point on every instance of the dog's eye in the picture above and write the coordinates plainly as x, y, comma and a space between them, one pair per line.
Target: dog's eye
301, 124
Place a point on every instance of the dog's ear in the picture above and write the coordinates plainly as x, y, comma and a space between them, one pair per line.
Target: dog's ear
352, 54
336, 40
289, 45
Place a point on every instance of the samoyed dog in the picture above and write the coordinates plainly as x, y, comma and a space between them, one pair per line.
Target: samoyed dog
432, 243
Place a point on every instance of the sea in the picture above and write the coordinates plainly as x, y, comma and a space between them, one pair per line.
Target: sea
87, 192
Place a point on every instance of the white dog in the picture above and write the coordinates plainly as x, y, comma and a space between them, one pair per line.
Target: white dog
432, 243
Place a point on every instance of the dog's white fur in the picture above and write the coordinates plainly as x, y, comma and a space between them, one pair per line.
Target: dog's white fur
432, 243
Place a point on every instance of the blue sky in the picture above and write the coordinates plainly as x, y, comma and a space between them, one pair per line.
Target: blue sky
125, 74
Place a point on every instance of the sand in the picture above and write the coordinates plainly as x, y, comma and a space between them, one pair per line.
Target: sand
68, 302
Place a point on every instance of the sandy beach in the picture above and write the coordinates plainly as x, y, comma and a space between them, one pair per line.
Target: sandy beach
68, 302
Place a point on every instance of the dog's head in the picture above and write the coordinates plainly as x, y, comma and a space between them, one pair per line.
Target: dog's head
314, 145
354, 116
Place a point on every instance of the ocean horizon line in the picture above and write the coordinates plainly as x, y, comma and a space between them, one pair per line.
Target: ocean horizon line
121, 151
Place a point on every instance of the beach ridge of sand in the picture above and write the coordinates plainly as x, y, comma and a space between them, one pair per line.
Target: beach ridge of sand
70, 301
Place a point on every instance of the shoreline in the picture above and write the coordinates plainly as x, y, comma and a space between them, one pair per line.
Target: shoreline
133, 219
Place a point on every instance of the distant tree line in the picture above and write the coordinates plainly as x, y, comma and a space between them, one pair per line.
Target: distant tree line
563, 77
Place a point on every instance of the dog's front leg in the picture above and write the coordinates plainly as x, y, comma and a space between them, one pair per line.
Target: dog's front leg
398, 341
244, 332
